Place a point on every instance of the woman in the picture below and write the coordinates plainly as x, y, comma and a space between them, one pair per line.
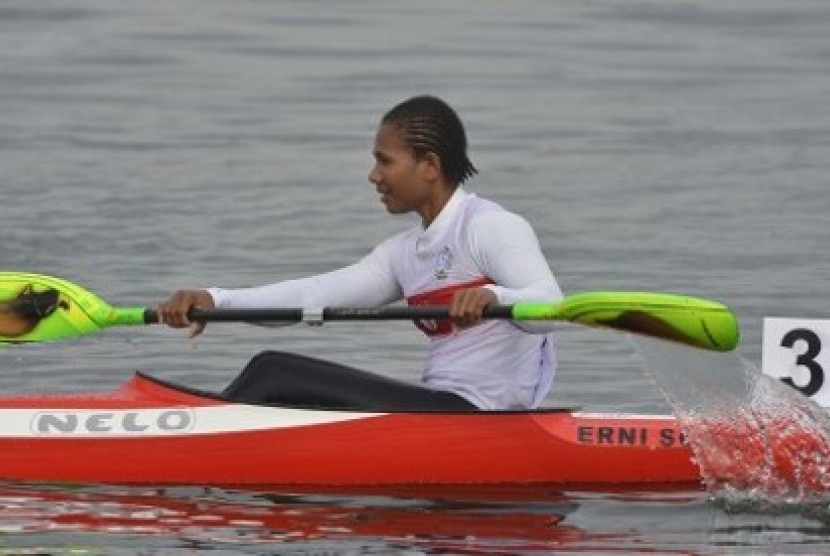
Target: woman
466, 252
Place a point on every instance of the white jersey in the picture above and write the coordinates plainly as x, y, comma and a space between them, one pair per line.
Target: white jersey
473, 242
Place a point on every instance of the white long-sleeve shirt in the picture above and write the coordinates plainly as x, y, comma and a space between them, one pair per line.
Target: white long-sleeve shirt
495, 364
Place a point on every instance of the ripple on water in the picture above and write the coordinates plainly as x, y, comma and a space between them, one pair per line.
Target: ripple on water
760, 444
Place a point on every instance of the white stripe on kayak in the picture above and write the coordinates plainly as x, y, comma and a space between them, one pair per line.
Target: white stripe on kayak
623, 416
111, 423
167, 421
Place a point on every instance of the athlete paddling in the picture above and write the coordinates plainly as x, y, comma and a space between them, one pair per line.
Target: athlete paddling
467, 253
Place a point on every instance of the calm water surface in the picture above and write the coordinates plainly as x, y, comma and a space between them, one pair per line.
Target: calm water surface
656, 146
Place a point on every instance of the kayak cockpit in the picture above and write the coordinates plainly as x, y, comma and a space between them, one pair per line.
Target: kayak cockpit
148, 387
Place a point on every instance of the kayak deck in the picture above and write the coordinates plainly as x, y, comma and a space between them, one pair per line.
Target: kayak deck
152, 432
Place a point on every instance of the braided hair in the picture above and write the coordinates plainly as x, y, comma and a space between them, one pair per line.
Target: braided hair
429, 125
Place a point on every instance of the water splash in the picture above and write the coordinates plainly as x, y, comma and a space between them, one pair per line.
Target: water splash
757, 441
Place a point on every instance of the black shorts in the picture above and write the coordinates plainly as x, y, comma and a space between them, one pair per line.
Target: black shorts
276, 377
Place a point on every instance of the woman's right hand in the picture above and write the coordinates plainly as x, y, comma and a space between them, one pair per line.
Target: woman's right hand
174, 311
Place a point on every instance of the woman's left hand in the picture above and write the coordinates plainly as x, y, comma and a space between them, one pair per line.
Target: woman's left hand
468, 305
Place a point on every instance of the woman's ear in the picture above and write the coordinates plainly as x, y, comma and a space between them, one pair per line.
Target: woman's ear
431, 166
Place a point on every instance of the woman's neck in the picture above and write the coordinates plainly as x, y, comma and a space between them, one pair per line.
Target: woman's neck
430, 210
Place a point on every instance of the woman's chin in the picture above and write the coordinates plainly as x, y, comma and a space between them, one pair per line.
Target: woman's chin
391, 207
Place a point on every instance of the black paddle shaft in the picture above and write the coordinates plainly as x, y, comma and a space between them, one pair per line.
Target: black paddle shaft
329, 314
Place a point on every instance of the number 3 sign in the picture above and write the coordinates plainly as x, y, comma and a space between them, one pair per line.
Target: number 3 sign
797, 351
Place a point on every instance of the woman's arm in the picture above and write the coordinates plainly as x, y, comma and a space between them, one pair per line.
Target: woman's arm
367, 283
507, 250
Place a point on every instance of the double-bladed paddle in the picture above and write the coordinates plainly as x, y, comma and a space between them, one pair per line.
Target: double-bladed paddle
38, 308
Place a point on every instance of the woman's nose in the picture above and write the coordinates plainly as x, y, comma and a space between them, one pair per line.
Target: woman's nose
374, 175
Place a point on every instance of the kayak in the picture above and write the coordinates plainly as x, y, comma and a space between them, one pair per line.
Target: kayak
150, 431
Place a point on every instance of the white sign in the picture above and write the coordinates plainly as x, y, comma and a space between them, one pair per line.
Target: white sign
797, 351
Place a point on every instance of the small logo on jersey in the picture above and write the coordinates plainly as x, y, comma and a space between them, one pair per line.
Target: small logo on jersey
443, 263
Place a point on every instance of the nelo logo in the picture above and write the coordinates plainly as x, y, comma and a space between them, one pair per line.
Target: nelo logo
142, 422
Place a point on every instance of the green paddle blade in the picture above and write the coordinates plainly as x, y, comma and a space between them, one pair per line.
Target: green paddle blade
688, 320
37, 308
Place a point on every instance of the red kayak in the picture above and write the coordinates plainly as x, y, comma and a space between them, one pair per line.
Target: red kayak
153, 432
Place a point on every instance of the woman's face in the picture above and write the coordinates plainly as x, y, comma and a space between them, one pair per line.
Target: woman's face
404, 183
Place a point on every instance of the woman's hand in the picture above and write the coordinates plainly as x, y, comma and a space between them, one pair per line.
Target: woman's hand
468, 305
174, 311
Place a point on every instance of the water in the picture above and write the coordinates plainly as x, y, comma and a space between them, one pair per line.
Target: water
758, 442
655, 146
